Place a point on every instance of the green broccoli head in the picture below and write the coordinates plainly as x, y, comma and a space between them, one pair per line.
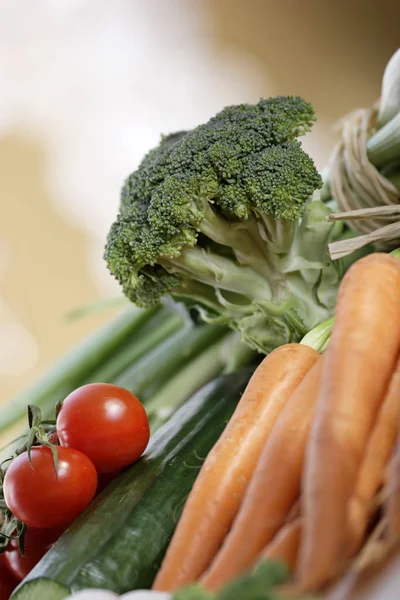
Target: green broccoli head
204, 209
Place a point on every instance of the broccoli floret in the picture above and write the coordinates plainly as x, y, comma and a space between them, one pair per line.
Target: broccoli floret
213, 216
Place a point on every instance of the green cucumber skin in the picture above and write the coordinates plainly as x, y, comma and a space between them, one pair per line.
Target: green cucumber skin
119, 541
152, 522
53, 591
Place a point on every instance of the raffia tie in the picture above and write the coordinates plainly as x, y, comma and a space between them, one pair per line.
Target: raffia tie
364, 196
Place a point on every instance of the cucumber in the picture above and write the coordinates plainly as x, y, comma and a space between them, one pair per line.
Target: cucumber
119, 541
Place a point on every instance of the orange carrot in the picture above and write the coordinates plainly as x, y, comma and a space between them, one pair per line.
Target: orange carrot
218, 491
357, 369
393, 504
392, 507
285, 545
274, 487
372, 471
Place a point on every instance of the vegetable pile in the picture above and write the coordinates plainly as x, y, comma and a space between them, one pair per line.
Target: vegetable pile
101, 428
119, 542
159, 354
263, 477
55, 474
307, 493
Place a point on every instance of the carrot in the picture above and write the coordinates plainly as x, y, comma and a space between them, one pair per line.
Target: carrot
358, 365
392, 507
294, 512
372, 470
274, 488
285, 545
218, 491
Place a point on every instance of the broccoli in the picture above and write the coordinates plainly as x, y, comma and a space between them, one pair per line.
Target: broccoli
220, 217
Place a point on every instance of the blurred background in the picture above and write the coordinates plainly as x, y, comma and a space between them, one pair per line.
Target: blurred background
86, 88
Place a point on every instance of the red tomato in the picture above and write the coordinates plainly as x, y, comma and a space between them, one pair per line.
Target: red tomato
42, 498
37, 542
52, 437
105, 422
8, 583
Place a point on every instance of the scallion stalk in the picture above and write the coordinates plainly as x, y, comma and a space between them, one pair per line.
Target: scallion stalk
75, 366
146, 376
193, 376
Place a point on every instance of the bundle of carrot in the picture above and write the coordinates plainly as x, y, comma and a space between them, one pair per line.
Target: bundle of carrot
309, 464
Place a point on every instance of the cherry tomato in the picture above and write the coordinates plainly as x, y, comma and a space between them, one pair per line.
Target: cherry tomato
36, 543
42, 498
8, 583
105, 422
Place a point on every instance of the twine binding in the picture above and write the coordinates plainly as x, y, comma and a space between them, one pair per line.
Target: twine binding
363, 195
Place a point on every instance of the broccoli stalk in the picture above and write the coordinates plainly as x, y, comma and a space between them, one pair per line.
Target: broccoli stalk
221, 217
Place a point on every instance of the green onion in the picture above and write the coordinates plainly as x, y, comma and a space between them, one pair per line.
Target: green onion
73, 368
192, 377
154, 331
146, 376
